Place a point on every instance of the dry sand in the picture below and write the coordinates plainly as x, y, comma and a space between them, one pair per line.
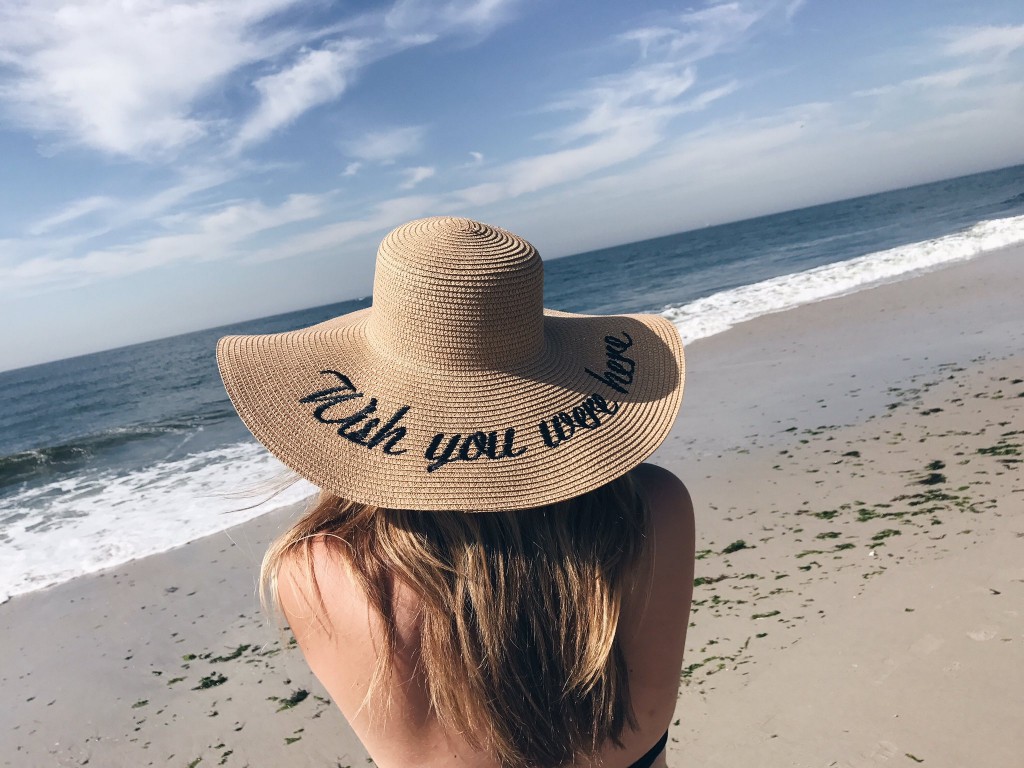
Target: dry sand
856, 469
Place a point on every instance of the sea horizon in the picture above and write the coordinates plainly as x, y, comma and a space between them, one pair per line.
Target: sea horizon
646, 242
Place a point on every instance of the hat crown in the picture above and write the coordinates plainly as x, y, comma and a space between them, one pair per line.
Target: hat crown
453, 293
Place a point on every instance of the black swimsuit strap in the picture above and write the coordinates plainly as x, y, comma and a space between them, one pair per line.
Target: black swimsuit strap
648, 759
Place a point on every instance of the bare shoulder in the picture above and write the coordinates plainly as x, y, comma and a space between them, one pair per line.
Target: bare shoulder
295, 594
668, 500
660, 609
318, 594
673, 541
329, 615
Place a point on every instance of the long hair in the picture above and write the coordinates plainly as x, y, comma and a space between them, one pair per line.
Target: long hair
519, 615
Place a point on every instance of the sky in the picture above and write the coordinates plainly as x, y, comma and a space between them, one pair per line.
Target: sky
169, 166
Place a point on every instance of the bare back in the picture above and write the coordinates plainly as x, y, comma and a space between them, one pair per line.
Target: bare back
652, 634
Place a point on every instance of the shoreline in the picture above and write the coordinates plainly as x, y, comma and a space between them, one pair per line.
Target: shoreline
774, 410
742, 325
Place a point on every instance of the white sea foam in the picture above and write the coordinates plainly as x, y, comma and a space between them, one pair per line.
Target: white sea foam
721, 311
88, 522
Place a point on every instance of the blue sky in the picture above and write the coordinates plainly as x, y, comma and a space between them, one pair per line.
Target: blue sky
169, 166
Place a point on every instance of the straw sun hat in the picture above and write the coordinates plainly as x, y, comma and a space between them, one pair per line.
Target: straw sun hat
457, 389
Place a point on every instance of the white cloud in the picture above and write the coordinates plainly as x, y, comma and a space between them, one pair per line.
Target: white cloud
742, 166
950, 78
982, 54
946, 79
648, 37
352, 169
478, 157
388, 145
384, 216
793, 7
143, 79
70, 213
124, 78
667, 68
539, 172
199, 237
316, 77
189, 181
625, 115
695, 35
414, 176
706, 98
67, 231
425, 20
974, 41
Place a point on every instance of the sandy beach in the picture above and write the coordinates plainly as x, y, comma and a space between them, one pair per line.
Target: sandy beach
855, 466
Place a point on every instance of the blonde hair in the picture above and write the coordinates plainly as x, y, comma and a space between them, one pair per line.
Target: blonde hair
519, 612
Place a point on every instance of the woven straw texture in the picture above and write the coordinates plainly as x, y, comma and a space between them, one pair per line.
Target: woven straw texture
457, 390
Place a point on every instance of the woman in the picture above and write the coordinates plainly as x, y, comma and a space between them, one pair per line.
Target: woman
491, 577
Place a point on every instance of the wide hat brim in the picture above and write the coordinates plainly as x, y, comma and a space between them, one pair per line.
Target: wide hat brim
370, 427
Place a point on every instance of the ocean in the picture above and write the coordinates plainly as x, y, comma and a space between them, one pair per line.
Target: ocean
120, 454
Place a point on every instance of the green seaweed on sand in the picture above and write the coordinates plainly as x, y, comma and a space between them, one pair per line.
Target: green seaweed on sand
936, 499
291, 739
736, 546
140, 703
932, 478
174, 680
1001, 449
233, 655
210, 681
886, 533
828, 535
195, 762
702, 580
915, 758
688, 671
827, 514
766, 615
297, 697
807, 552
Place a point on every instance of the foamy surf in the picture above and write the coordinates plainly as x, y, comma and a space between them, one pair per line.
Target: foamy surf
91, 521
721, 311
